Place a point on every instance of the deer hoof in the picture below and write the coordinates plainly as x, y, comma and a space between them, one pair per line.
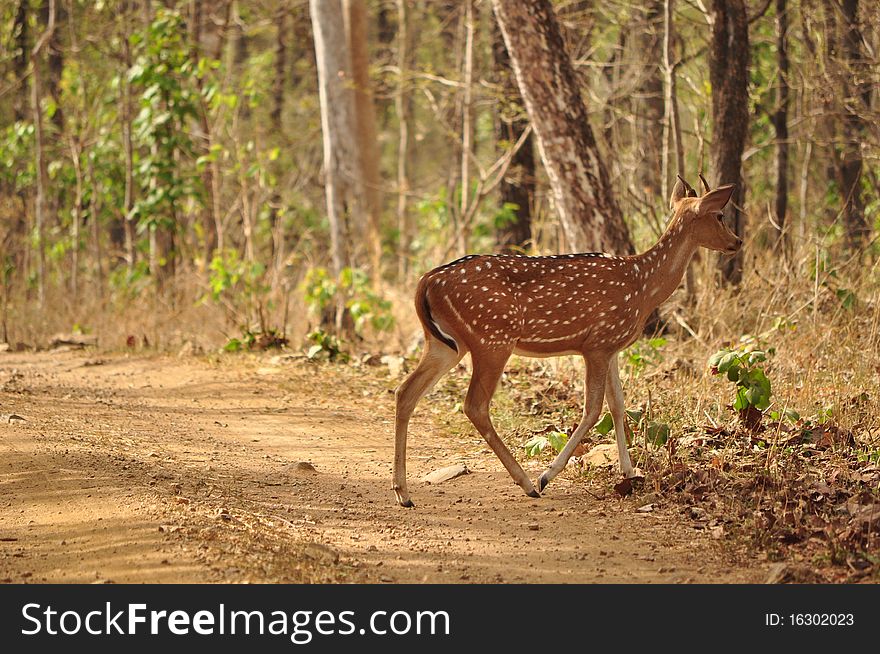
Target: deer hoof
403, 498
534, 493
542, 482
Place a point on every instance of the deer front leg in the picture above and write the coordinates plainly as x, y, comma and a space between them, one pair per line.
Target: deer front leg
614, 395
594, 394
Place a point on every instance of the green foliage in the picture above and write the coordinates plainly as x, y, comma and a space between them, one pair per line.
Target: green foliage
643, 353
231, 276
325, 346
368, 308
605, 425
164, 76
538, 443
742, 366
17, 168
240, 287
505, 215
129, 283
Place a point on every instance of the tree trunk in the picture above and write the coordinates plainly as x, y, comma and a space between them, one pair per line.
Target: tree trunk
649, 105
467, 129
780, 125
590, 215
518, 186
278, 82
729, 77
365, 122
203, 139
403, 107
21, 58
42, 178
94, 212
75, 216
54, 63
337, 122
126, 117
856, 99
672, 141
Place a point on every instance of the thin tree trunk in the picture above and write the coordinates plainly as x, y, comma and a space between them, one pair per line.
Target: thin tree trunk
649, 104
202, 137
21, 58
365, 121
41, 209
278, 82
584, 198
467, 132
54, 63
518, 186
780, 125
94, 212
76, 217
403, 108
672, 141
127, 146
729, 77
856, 99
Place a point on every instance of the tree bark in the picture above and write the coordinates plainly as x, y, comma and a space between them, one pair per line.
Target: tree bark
337, 122
54, 63
203, 139
365, 123
729, 77
42, 178
467, 130
671, 124
588, 210
403, 108
518, 186
21, 58
648, 105
856, 99
780, 125
126, 118
278, 82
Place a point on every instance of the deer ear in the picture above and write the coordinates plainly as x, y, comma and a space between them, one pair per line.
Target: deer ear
679, 191
715, 201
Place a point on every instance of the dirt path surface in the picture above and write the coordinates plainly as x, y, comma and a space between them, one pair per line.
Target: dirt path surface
158, 469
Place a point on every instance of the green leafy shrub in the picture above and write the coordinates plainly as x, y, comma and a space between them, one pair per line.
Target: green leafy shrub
367, 308
325, 346
642, 353
538, 443
654, 432
743, 367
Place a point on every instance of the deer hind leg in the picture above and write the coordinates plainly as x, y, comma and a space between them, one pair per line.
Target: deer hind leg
487, 372
436, 361
614, 395
594, 393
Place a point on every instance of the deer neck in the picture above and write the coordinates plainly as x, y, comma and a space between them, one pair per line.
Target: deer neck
664, 265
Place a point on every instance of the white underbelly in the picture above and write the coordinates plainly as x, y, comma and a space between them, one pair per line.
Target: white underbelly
543, 355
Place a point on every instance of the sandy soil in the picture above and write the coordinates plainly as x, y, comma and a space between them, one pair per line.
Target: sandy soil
159, 469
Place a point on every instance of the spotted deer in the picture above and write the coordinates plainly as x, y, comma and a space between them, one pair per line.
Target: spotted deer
589, 304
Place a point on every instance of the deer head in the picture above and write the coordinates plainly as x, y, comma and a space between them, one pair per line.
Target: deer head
702, 216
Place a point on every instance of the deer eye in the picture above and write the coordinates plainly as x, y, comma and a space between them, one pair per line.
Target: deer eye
720, 217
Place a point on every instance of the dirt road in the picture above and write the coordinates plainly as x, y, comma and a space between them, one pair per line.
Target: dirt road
119, 468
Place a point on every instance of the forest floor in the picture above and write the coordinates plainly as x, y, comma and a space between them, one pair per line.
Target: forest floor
147, 468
